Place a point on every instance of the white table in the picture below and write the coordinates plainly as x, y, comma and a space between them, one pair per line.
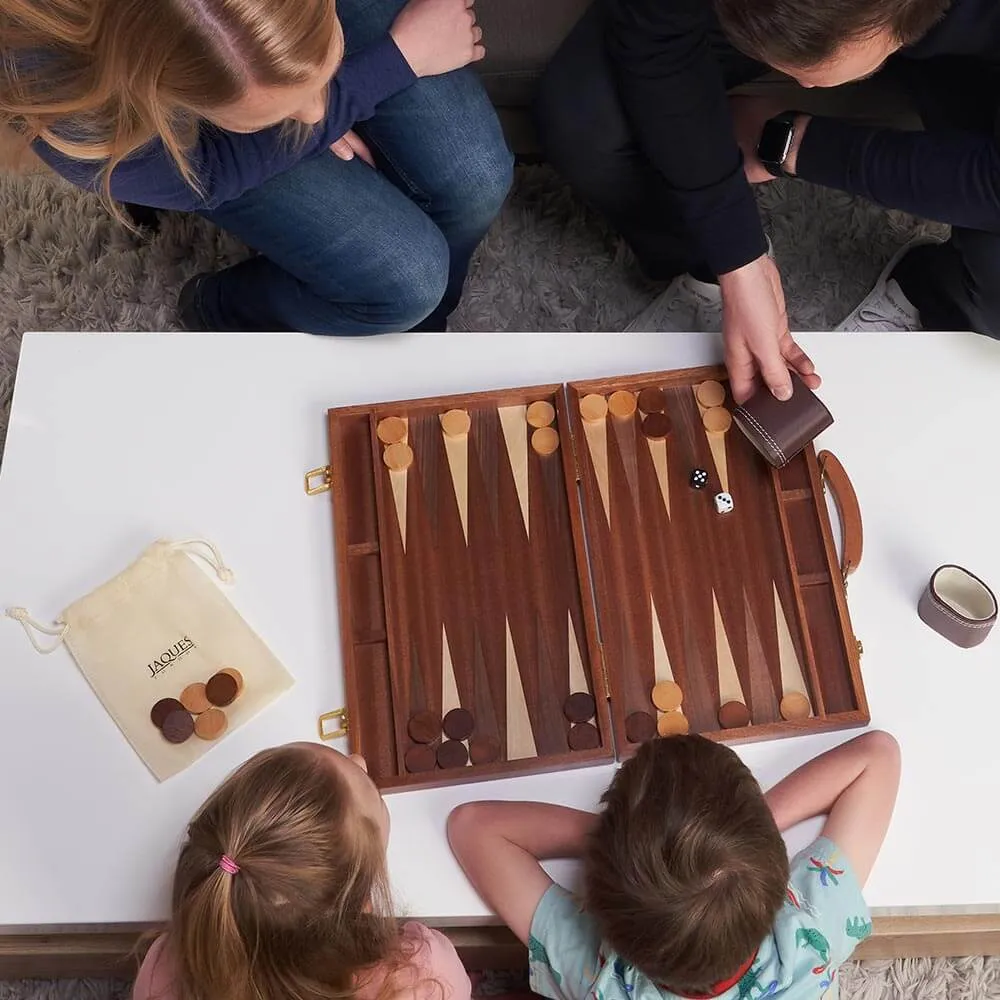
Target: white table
117, 440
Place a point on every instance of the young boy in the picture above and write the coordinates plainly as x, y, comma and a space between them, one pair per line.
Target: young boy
687, 887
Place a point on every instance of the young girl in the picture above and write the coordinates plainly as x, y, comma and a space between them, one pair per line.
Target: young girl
354, 149
281, 893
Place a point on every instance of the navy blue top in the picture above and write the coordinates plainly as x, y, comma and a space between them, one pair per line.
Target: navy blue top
228, 164
673, 91
948, 176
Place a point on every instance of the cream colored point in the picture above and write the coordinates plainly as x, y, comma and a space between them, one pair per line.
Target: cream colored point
398, 457
449, 685
792, 680
545, 440
710, 393
593, 407
597, 442
456, 447
541, 413
577, 675
455, 423
667, 695
717, 422
391, 430
520, 738
673, 724
515, 432
622, 404
662, 670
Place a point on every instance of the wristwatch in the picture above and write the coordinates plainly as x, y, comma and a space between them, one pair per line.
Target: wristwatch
776, 141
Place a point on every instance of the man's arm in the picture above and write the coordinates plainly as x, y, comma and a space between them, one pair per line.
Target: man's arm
949, 177
854, 786
673, 91
500, 844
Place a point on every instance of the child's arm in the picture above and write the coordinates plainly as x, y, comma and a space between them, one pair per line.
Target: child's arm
854, 786
500, 845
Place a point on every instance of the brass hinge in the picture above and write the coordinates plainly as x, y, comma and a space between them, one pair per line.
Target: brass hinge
861, 647
339, 716
324, 475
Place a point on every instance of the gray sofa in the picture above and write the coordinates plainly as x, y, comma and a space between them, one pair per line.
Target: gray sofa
522, 35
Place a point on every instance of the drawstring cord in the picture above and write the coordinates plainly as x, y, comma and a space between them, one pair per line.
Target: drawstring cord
215, 560
29, 624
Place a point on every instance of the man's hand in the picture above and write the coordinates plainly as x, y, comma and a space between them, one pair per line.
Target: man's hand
438, 36
349, 145
755, 333
749, 115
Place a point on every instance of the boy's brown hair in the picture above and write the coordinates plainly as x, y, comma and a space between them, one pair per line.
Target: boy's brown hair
685, 870
802, 33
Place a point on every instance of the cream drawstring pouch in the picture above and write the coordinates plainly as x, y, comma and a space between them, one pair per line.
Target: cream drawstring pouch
172, 660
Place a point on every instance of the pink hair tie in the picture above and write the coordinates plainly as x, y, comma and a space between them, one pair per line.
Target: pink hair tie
227, 864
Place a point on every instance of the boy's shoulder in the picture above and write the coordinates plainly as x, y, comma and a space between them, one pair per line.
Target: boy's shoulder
823, 919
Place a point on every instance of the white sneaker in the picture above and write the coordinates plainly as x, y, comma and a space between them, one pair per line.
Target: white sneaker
687, 305
886, 309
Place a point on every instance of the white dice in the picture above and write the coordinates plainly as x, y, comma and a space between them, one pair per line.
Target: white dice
723, 503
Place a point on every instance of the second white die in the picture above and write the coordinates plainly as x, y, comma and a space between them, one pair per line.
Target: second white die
723, 503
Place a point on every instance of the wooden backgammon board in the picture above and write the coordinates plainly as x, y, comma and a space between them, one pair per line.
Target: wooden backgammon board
542, 578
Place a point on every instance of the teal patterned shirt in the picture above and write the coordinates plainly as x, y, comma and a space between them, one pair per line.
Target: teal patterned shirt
823, 919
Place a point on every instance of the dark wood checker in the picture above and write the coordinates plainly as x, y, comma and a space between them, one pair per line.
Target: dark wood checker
453, 592
769, 566
498, 591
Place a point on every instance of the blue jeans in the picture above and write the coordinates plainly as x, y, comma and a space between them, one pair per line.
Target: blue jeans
344, 249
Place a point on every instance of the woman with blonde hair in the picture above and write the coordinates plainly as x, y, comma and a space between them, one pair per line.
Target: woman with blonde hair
281, 893
348, 142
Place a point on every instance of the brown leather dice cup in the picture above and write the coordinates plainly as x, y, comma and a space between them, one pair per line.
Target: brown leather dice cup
780, 430
958, 606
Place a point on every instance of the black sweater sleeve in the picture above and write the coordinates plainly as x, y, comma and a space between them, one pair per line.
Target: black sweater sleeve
674, 95
946, 176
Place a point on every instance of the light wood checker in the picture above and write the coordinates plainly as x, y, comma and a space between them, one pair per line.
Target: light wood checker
528, 575
489, 600
750, 604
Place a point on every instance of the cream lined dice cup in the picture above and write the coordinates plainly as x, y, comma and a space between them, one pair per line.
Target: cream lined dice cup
959, 606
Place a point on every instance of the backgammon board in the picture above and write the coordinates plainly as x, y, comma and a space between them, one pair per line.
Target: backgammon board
542, 578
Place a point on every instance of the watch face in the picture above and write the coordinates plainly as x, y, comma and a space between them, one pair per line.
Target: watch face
775, 141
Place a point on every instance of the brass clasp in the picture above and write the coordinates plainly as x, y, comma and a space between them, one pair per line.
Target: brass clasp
339, 716
324, 484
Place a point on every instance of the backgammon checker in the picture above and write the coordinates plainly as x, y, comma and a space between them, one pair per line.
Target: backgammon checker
543, 578
958, 606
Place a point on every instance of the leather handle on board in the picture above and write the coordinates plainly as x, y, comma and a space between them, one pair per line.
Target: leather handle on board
848, 509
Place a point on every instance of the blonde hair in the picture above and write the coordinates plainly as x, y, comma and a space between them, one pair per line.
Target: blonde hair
309, 912
98, 79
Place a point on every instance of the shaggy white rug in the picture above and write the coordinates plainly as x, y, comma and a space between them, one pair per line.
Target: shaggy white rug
546, 265
906, 979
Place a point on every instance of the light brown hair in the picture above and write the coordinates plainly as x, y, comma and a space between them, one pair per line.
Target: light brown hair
308, 914
800, 34
685, 870
98, 79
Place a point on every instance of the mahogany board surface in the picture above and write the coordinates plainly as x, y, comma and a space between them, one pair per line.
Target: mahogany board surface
743, 606
487, 599
490, 603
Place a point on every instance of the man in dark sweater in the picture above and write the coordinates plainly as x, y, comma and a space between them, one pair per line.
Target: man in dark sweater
634, 112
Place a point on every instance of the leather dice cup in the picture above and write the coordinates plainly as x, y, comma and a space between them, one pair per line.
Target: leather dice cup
780, 430
958, 606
